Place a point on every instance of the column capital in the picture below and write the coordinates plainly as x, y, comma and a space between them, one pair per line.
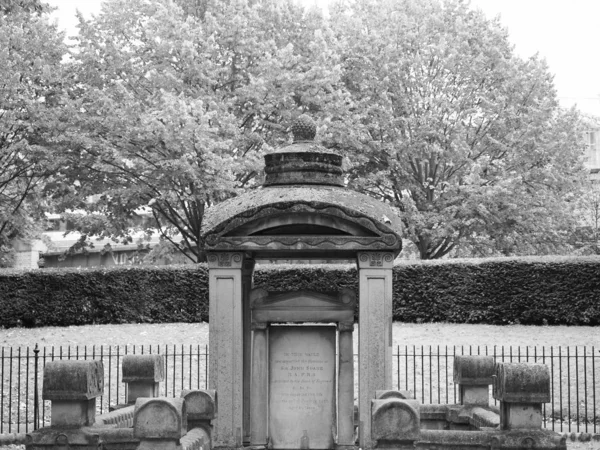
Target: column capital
225, 260
259, 325
375, 260
346, 326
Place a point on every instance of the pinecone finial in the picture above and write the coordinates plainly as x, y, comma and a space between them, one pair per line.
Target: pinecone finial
304, 128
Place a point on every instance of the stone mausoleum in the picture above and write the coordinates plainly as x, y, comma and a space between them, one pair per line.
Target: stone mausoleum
273, 355
281, 363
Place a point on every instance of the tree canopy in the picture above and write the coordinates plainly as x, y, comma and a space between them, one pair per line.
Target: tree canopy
166, 107
31, 50
448, 124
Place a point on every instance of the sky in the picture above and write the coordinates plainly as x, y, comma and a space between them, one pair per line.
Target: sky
564, 32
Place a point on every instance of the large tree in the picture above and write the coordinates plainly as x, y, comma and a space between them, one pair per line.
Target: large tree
170, 110
448, 124
31, 50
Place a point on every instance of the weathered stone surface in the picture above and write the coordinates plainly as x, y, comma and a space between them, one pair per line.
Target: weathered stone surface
522, 383
72, 413
401, 394
73, 380
302, 386
474, 370
121, 418
395, 420
159, 418
344, 217
196, 439
57, 438
515, 416
200, 404
143, 368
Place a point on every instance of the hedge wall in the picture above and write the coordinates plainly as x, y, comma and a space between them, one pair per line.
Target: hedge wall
493, 291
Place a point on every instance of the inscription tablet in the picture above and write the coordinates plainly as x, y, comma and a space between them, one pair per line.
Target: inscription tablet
301, 387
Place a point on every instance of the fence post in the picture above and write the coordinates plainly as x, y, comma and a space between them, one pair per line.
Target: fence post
36, 397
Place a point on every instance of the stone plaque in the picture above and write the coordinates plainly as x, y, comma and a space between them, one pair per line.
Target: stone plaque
301, 387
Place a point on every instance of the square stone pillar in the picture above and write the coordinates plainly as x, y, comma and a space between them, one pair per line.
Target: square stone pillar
226, 346
374, 334
247, 284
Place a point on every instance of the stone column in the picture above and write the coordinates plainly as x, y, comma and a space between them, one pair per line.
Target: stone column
259, 400
346, 385
226, 365
247, 283
375, 334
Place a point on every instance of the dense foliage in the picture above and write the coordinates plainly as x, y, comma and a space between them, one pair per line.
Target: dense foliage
31, 49
167, 107
554, 291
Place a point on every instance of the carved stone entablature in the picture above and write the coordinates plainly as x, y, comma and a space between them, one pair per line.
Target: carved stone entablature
295, 221
225, 260
302, 306
375, 260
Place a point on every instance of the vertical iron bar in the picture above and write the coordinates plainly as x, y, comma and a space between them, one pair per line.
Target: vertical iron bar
430, 376
190, 364
415, 370
552, 386
594, 383
36, 398
560, 386
206, 366
174, 376
10, 383
2, 396
102, 394
577, 385
198, 364
27, 392
447, 388
109, 374
406, 366
569, 386
398, 365
182, 370
438, 372
585, 389
18, 389
422, 376
166, 369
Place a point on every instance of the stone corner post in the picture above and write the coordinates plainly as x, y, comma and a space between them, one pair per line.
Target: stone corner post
143, 374
375, 334
474, 375
521, 389
72, 387
226, 347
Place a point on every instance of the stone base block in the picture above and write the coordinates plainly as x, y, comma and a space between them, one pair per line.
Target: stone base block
73, 413
520, 416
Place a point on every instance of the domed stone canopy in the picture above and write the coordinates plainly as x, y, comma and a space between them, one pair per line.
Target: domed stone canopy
303, 210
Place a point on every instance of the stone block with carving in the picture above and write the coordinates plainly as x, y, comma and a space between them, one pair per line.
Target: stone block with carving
72, 387
521, 389
522, 383
159, 418
201, 406
142, 373
395, 420
474, 375
400, 394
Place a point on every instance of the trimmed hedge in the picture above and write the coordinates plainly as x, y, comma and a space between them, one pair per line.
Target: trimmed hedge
493, 291
103, 295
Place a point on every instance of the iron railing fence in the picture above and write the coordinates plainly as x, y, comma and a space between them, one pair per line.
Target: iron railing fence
427, 371
21, 368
